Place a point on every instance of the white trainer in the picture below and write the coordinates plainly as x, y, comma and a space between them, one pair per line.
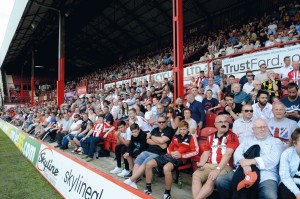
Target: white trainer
123, 173
116, 170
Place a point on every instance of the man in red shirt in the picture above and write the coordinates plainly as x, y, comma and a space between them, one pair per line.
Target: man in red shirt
99, 132
294, 75
182, 147
216, 159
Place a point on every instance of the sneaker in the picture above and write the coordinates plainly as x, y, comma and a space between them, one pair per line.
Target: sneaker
128, 181
89, 159
116, 170
80, 153
123, 173
133, 185
146, 191
85, 157
128, 175
166, 196
57, 146
74, 151
79, 149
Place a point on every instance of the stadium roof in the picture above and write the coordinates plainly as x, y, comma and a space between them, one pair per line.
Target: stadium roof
100, 31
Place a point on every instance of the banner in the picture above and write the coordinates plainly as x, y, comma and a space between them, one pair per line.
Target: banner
195, 69
82, 90
159, 77
27, 145
141, 79
125, 81
70, 94
272, 58
74, 180
110, 85
71, 177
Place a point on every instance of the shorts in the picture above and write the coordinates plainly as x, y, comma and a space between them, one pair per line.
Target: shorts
144, 157
162, 160
203, 174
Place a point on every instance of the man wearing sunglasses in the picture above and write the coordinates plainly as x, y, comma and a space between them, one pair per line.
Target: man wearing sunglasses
262, 76
243, 126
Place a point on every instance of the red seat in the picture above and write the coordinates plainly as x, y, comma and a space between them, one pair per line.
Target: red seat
205, 132
210, 119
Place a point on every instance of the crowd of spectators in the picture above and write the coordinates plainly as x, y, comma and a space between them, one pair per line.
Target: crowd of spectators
254, 121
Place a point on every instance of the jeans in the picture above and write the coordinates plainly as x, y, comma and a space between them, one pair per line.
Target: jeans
223, 185
268, 189
65, 141
91, 141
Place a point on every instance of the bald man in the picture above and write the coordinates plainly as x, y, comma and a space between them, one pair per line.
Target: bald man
197, 110
216, 159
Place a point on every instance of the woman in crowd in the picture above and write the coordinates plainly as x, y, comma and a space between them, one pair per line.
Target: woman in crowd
92, 115
289, 169
125, 110
192, 123
172, 119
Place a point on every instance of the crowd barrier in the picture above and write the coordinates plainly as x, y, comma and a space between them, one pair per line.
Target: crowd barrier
70, 177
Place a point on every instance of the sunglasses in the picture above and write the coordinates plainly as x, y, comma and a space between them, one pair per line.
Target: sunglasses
251, 111
161, 122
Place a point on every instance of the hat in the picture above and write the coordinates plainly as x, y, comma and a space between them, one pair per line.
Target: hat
249, 180
291, 31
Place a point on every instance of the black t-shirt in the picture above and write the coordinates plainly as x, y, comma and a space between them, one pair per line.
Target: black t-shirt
84, 124
168, 132
137, 144
237, 110
209, 103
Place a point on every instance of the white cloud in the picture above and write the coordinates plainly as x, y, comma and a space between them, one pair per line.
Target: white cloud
5, 11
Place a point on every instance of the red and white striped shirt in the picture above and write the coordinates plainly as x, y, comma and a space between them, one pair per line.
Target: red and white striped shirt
101, 129
218, 146
295, 76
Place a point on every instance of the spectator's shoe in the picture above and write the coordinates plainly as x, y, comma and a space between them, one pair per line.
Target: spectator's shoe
80, 153
130, 183
123, 173
89, 159
79, 149
128, 175
85, 157
75, 150
57, 146
116, 170
166, 196
146, 191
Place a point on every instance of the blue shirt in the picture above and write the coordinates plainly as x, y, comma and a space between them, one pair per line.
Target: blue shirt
240, 97
268, 161
289, 164
198, 113
290, 106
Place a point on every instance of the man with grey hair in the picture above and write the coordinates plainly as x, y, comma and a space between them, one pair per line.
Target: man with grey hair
197, 109
267, 163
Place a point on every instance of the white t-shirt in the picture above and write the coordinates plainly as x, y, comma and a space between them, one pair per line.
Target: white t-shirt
127, 134
266, 113
74, 125
148, 115
215, 90
284, 71
282, 129
192, 124
247, 88
262, 77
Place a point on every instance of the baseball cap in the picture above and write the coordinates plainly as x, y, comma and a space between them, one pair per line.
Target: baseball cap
249, 180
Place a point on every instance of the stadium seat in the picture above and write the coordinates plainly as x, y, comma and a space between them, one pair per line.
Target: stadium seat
205, 132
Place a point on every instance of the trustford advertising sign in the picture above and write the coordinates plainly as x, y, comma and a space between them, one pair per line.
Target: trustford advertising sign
272, 58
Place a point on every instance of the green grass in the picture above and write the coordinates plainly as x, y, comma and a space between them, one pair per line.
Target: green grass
18, 177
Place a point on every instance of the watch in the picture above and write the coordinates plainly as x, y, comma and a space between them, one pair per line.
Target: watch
218, 168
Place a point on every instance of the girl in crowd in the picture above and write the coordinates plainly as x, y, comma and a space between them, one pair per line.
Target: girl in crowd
172, 119
289, 169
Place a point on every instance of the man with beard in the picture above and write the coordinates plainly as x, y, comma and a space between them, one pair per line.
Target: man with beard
262, 109
231, 108
216, 160
292, 102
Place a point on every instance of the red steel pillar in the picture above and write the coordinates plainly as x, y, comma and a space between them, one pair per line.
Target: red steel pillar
32, 78
178, 49
61, 60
